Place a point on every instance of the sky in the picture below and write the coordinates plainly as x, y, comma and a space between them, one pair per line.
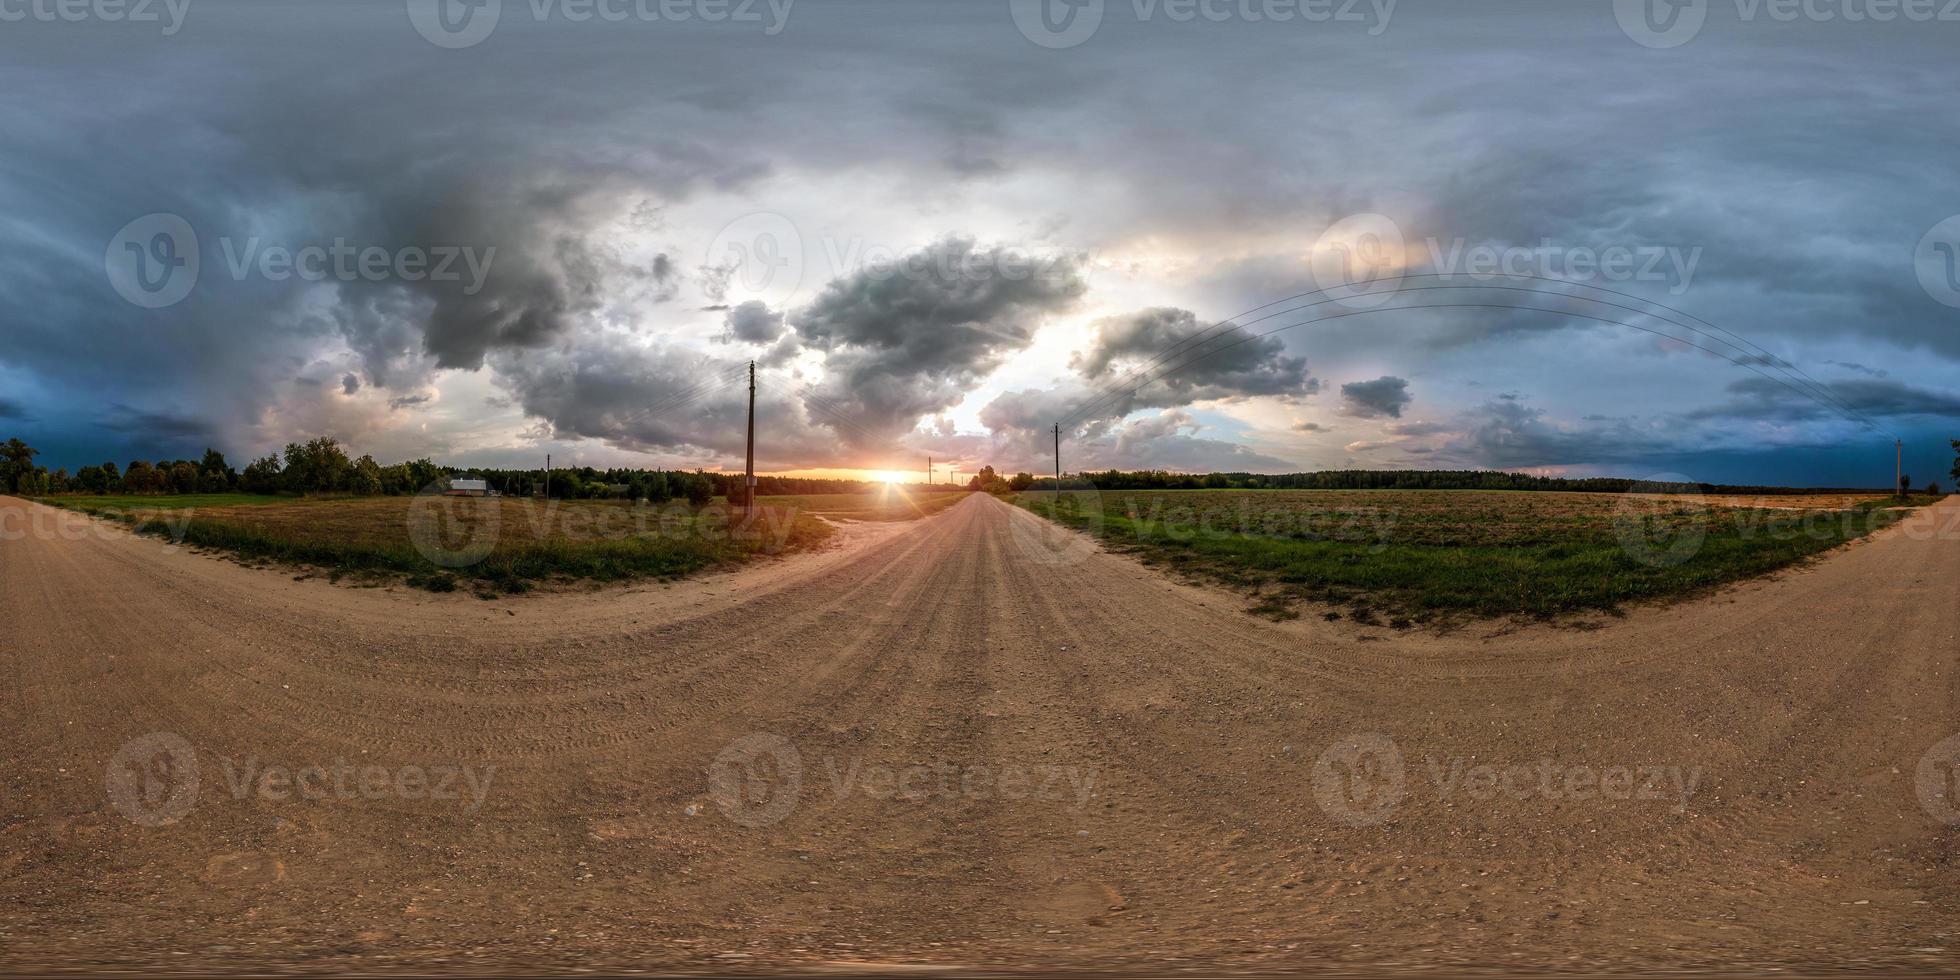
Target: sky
1712, 240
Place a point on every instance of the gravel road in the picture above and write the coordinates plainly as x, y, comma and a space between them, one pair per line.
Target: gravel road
968, 741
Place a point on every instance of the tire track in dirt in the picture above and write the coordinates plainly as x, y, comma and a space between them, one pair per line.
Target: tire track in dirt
1803, 701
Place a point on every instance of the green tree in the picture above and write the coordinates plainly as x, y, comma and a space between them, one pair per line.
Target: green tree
1021, 482
16, 461
420, 474
261, 476
182, 477
141, 477
365, 477
319, 466
699, 488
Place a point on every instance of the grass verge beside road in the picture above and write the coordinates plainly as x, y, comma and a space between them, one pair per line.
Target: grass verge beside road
497, 544
1417, 556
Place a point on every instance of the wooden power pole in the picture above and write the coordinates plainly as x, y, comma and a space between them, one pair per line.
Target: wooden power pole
748, 469
547, 476
1058, 461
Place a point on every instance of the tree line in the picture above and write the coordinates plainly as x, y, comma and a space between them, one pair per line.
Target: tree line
1371, 480
323, 466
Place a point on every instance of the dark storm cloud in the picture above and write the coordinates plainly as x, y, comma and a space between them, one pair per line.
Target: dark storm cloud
1027, 414
167, 427
300, 123
1857, 398
676, 401
1384, 396
907, 339
1184, 360
752, 323
10, 409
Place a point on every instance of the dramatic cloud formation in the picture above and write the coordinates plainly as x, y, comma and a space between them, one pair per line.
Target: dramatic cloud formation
753, 323
924, 257
1384, 396
908, 339
1178, 360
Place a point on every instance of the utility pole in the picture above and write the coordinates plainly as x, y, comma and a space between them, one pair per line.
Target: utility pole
748, 471
1058, 462
928, 472
1899, 463
547, 476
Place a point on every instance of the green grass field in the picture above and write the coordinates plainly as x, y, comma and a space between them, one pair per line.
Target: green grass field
1414, 556
94, 504
500, 544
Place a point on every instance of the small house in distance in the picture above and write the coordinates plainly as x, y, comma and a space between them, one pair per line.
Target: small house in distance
468, 488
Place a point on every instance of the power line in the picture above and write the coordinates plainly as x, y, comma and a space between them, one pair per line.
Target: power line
1493, 306
1189, 344
1130, 383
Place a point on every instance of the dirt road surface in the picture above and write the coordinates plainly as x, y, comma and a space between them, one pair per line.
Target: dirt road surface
963, 742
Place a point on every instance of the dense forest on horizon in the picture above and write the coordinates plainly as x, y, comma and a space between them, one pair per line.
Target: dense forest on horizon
323, 466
